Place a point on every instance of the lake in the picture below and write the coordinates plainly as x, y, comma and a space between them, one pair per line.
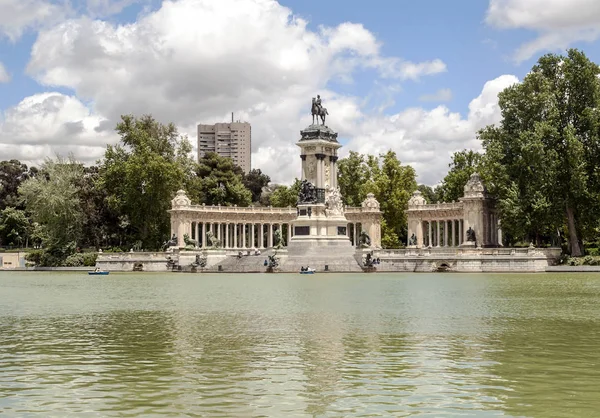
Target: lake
286, 345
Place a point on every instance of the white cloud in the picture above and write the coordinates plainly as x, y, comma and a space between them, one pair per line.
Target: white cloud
51, 123
442, 95
4, 76
17, 16
427, 139
196, 61
558, 23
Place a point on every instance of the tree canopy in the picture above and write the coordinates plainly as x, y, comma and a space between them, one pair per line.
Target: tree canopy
544, 153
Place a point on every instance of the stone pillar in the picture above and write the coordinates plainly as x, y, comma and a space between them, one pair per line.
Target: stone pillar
333, 161
419, 234
203, 235
226, 243
453, 232
235, 235
261, 235
252, 225
430, 232
500, 234
445, 233
270, 238
437, 236
303, 173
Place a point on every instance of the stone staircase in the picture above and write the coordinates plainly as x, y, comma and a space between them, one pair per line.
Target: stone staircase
335, 258
244, 264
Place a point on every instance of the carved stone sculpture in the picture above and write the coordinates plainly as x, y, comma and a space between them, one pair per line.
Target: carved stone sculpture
470, 235
308, 192
333, 201
412, 240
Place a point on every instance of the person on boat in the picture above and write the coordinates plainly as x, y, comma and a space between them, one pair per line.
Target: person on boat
302, 268
97, 269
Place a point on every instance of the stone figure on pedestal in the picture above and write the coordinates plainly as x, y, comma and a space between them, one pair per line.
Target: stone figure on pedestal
470, 235
412, 240
308, 193
318, 110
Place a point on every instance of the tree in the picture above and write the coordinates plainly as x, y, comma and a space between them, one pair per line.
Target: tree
430, 194
142, 173
222, 182
255, 181
544, 153
464, 163
12, 174
52, 198
394, 185
284, 196
353, 176
390, 182
14, 227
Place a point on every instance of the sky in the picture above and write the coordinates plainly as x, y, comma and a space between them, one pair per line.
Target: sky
419, 77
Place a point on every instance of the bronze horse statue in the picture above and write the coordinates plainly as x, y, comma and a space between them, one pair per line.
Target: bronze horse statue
318, 111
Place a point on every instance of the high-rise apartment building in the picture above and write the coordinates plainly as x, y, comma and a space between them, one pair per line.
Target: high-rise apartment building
231, 140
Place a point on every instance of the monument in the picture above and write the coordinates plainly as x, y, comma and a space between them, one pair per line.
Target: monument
320, 217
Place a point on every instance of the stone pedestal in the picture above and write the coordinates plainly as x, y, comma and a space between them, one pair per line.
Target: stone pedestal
320, 221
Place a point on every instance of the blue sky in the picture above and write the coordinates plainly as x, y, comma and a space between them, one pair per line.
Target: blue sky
178, 73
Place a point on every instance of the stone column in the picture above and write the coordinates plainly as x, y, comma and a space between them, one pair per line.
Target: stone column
430, 232
235, 235
261, 235
270, 238
252, 225
437, 236
226, 235
303, 173
203, 235
419, 234
445, 233
333, 161
453, 232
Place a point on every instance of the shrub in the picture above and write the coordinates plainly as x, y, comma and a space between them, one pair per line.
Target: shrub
74, 260
89, 259
35, 257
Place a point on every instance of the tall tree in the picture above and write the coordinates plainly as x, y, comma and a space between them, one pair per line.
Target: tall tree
464, 163
394, 185
142, 173
52, 198
222, 182
353, 177
431, 195
255, 181
12, 174
14, 227
544, 152
284, 196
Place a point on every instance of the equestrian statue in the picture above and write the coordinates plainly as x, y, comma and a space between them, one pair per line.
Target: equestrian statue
318, 110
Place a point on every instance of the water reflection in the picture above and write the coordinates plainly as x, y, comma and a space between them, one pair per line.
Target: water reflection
283, 346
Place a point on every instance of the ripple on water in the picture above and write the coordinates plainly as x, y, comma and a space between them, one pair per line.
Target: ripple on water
277, 345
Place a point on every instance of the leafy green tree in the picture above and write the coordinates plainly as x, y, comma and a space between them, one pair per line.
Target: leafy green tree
390, 182
464, 163
222, 182
52, 199
544, 153
284, 196
255, 181
431, 195
12, 174
394, 185
354, 175
142, 173
14, 227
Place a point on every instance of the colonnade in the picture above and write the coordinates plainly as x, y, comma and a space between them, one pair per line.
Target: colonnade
442, 233
240, 235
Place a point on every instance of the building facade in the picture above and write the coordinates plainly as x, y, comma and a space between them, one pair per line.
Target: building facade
232, 140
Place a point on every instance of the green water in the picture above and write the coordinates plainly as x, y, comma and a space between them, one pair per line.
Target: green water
292, 345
